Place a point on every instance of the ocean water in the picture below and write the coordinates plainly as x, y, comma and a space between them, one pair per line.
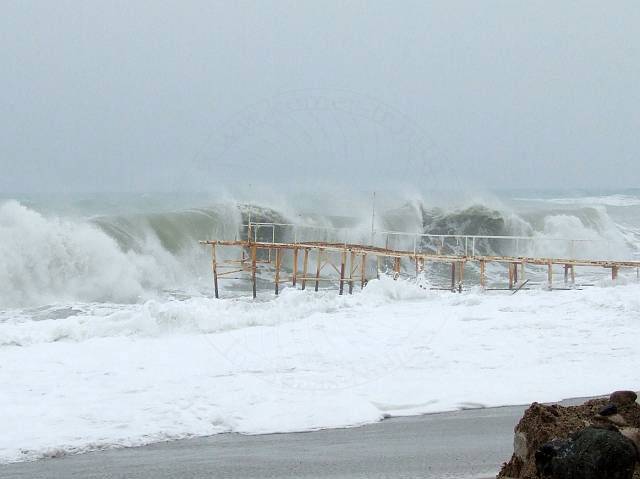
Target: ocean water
110, 337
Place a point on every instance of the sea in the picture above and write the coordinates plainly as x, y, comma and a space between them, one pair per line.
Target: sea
110, 335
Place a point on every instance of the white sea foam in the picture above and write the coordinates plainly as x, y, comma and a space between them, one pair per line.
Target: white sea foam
166, 370
606, 200
106, 339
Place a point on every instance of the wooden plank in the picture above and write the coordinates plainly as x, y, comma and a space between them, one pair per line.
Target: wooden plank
352, 261
214, 266
305, 261
294, 274
253, 269
318, 268
343, 259
520, 287
510, 270
277, 272
453, 276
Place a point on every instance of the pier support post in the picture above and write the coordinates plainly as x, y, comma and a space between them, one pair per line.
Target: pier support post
318, 267
214, 267
614, 273
352, 262
343, 259
294, 274
305, 262
253, 269
460, 276
483, 281
566, 274
573, 274
510, 265
277, 272
363, 271
515, 274
453, 276
396, 268
550, 275
522, 275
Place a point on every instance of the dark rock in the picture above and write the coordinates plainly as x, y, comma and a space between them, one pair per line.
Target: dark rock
546, 455
633, 433
623, 398
609, 410
591, 453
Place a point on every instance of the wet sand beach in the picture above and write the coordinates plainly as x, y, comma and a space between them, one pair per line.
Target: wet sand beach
462, 444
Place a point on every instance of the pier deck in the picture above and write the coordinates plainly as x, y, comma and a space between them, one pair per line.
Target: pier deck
355, 263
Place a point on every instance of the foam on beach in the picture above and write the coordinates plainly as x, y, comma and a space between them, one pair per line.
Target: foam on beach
101, 375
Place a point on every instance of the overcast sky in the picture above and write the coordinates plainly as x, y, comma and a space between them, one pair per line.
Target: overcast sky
156, 95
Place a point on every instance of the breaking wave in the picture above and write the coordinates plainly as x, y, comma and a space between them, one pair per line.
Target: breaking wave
48, 259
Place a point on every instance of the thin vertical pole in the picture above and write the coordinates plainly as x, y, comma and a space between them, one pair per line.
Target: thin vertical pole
377, 267
253, 269
460, 276
214, 267
294, 275
482, 275
305, 261
566, 274
396, 268
351, 270
550, 274
515, 273
343, 259
453, 276
318, 267
522, 278
510, 275
573, 274
363, 272
277, 274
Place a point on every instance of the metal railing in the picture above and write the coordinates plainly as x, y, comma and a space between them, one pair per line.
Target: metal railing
444, 244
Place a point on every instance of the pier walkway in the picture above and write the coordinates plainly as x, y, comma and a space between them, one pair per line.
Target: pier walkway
269, 247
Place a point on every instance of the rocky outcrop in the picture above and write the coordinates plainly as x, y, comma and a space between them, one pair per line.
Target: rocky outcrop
555, 442
591, 453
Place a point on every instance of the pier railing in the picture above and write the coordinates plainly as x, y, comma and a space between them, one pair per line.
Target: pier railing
450, 244
351, 256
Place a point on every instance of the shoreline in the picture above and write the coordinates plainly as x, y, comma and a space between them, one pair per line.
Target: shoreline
467, 443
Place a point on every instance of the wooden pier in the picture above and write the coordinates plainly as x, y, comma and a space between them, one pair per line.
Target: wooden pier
352, 264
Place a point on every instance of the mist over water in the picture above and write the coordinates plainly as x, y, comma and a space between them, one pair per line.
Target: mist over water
130, 249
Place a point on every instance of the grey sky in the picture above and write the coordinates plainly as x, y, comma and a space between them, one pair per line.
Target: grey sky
135, 95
